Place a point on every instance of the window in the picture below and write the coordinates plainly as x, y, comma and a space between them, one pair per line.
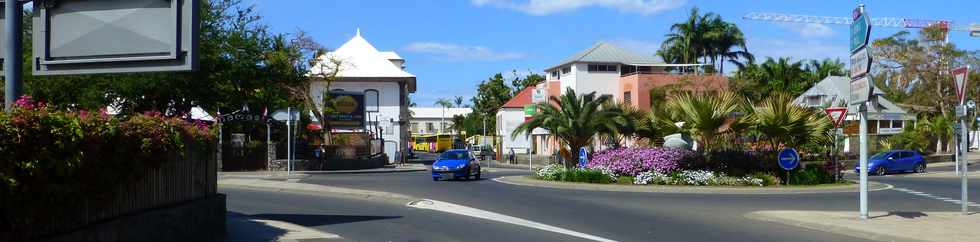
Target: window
813, 100
884, 124
371, 100
554, 73
602, 68
627, 97
898, 124
415, 127
429, 127
566, 70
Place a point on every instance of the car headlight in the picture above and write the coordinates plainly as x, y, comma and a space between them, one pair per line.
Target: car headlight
460, 166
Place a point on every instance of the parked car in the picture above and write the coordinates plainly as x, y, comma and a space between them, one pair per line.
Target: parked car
894, 161
483, 151
453, 164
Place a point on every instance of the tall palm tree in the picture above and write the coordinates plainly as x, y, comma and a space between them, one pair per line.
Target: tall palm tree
574, 119
820, 69
704, 115
729, 43
690, 34
445, 103
458, 101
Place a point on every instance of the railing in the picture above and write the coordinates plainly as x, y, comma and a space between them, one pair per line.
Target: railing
174, 182
660, 73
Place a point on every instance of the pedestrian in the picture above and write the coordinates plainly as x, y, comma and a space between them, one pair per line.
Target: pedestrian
510, 156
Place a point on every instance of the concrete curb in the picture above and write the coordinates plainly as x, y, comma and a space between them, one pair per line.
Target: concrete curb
826, 228
527, 181
313, 189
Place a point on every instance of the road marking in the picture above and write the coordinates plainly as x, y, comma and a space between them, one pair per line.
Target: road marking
940, 198
477, 213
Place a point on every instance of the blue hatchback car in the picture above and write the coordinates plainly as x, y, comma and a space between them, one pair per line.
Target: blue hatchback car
454, 164
894, 161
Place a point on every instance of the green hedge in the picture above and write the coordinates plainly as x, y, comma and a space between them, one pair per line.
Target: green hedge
49, 157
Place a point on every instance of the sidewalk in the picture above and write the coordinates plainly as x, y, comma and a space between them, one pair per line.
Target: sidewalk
883, 226
282, 175
241, 228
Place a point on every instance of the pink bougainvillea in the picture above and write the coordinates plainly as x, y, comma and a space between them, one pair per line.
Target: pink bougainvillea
632, 161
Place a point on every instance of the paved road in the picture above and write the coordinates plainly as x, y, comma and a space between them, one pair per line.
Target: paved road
614, 215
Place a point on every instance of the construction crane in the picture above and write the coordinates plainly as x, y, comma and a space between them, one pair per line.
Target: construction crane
974, 29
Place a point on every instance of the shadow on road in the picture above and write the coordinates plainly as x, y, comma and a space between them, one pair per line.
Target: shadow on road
313, 220
907, 215
239, 228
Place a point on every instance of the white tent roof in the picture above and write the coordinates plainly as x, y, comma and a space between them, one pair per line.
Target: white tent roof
361, 59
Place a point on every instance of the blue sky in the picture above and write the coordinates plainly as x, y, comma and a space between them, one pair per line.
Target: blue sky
452, 45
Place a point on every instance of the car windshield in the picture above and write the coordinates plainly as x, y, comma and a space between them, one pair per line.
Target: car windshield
881, 155
455, 155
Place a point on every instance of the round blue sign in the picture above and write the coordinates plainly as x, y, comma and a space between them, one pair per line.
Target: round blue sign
789, 159
583, 157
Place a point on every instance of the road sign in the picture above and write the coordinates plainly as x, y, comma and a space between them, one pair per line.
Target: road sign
789, 159
111, 36
583, 157
860, 29
960, 111
860, 63
836, 115
860, 90
282, 115
960, 80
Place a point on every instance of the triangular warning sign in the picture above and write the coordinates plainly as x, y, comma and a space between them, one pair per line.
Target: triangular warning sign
836, 115
959, 78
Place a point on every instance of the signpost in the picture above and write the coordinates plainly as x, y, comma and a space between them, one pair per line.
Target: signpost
960, 79
836, 116
289, 116
789, 159
100, 36
583, 157
860, 93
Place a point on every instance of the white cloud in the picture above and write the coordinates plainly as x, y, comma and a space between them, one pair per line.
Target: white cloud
546, 7
454, 52
796, 49
809, 30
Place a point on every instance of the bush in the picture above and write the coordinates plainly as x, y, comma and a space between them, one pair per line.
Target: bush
52, 156
632, 161
810, 175
767, 179
733, 162
549, 172
585, 175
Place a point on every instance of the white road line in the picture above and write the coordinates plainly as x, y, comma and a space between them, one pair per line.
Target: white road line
944, 199
477, 213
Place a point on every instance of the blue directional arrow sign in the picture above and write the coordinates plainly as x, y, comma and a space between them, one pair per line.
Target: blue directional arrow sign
789, 159
583, 157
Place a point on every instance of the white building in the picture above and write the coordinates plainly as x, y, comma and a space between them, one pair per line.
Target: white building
383, 80
434, 120
887, 119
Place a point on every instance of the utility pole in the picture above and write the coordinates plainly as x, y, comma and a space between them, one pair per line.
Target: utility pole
13, 59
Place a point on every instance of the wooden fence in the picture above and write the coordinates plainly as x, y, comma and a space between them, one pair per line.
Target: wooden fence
174, 182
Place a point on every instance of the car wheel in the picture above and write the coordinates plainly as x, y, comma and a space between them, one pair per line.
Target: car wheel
920, 168
435, 179
880, 171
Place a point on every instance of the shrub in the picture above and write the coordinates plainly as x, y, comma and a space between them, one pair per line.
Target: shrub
651, 177
585, 175
767, 179
697, 178
810, 175
632, 161
549, 172
733, 162
625, 180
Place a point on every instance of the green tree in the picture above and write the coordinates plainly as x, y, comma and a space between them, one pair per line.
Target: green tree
704, 115
491, 94
520, 84
782, 123
757, 81
574, 119
705, 39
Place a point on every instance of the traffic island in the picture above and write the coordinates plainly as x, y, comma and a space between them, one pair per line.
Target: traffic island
825, 188
882, 226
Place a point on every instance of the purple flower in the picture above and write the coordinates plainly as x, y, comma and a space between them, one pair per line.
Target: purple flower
632, 161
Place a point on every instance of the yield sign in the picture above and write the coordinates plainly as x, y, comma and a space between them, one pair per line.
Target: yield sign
960, 78
836, 115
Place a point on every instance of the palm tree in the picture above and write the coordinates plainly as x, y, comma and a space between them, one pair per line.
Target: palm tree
826, 67
782, 123
728, 38
690, 34
575, 120
705, 115
458, 101
445, 103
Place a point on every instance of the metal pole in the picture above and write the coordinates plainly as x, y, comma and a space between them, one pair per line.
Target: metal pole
268, 143
863, 126
289, 138
963, 183
529, 158
13, 59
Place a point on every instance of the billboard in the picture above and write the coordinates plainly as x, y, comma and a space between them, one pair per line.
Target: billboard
346, 110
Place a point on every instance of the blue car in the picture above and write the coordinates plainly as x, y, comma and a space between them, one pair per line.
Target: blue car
454, 164
894, 161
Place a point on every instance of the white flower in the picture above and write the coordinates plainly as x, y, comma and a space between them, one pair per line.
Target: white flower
550, 172
650, 177
697, 178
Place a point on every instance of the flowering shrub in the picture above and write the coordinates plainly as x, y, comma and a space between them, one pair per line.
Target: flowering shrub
51, 156
632, 161
549, 172
697, 178
651, 177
